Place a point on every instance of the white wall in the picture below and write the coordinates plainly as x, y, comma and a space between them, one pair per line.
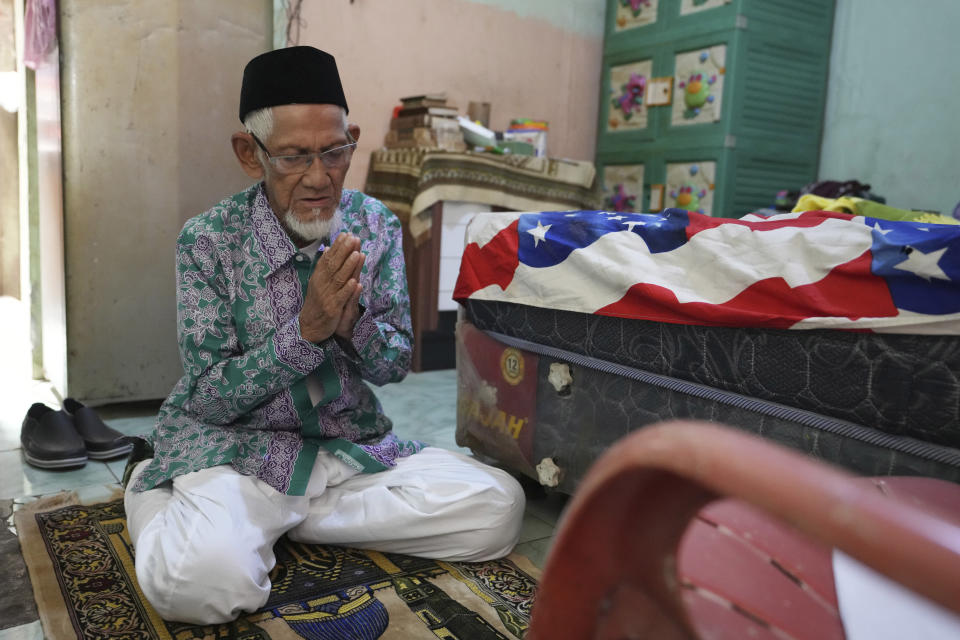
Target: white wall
892, 103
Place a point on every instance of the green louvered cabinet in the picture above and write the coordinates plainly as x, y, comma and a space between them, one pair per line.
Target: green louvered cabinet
748, 81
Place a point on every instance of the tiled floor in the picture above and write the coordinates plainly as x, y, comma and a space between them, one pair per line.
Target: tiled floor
423, 406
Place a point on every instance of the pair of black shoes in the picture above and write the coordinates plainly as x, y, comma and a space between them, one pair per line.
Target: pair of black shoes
67, 438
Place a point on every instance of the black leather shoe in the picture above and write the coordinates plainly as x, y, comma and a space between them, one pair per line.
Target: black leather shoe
49, 439
101, 441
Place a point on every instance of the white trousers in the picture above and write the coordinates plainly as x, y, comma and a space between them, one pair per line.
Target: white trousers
204, 546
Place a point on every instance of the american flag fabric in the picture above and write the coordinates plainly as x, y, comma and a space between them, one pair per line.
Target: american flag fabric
810, 270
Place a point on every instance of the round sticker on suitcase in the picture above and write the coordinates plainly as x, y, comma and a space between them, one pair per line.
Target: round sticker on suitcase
511, 365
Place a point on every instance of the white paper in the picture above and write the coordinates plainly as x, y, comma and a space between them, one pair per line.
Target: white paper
873, 607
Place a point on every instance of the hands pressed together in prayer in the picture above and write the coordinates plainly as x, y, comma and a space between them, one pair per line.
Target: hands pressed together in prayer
331, 306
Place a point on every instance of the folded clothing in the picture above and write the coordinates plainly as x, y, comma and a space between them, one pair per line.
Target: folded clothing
868, 209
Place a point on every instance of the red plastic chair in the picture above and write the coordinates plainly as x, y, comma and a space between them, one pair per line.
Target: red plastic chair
637, 554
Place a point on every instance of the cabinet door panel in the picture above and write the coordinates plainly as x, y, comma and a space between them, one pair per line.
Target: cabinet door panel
627, 106
631, 14
695, 6
623, 187
699, 78
690, 186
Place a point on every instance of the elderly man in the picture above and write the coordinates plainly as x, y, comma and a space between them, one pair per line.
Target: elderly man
272, 429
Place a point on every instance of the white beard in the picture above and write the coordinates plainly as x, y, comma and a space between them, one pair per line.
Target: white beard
316, 229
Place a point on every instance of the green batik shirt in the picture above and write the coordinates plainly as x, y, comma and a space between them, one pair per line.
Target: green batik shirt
243, 399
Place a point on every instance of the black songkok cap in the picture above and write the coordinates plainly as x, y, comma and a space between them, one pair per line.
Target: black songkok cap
295, 75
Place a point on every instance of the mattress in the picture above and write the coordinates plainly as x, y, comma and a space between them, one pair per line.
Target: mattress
840, 337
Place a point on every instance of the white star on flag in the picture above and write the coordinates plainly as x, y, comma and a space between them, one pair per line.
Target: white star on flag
924, 264
616, 217
540, 233
880, 230
632, 223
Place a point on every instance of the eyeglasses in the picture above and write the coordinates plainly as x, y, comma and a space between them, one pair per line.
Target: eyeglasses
335, 158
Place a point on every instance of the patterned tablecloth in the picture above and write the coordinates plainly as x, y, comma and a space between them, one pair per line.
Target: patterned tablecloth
411, 181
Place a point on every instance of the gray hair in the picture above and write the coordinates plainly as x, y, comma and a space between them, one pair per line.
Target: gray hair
260, 124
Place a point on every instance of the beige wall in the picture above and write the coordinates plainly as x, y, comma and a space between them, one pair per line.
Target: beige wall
149, 102
9, 207
49, 225
9, 175
525, 66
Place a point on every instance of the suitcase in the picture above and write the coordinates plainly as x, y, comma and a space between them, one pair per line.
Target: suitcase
545, 390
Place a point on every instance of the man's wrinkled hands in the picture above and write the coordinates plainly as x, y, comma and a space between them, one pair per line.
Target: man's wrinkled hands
331, 305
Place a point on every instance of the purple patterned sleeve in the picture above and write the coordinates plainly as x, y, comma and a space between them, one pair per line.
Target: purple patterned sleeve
294, 350
364, 332
382, 336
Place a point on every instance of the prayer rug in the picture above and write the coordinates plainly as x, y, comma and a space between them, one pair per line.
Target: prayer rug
81, 565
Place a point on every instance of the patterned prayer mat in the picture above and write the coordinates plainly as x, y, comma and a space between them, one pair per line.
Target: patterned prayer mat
81, 566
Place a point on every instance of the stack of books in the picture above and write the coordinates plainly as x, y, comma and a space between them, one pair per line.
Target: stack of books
425, 121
